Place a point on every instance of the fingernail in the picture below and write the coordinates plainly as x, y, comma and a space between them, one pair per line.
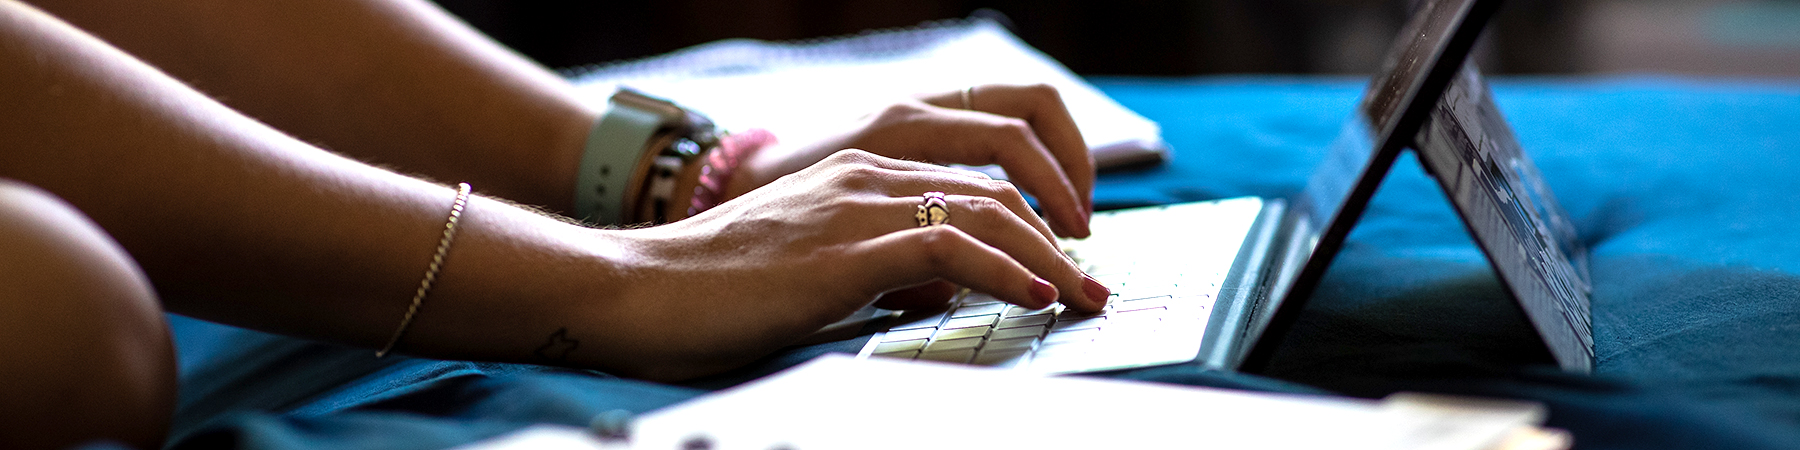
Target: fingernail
1042, 292
1095, 292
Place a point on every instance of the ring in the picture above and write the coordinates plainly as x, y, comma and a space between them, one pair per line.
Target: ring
968, 98
934, 210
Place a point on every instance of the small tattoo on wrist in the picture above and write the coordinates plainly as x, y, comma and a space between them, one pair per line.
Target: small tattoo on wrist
557, 347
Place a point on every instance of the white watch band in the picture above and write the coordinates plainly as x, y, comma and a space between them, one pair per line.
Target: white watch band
613, 151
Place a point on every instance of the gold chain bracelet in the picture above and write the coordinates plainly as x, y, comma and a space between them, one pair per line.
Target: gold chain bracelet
431, 272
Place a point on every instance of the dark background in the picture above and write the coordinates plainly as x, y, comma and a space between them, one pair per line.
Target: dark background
1151, 37
1092, 37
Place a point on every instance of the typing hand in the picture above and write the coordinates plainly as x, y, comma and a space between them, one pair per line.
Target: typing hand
812, 247
1025, 129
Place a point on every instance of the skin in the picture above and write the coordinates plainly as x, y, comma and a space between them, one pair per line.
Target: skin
226, 205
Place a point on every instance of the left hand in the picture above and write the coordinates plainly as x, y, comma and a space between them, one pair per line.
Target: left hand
1025, 129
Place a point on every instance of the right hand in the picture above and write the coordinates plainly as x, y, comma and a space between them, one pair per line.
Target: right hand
767, 268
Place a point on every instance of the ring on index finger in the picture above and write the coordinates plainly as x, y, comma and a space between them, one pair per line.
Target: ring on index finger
933, 210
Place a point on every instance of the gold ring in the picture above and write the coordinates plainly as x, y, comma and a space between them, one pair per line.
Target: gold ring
933, 210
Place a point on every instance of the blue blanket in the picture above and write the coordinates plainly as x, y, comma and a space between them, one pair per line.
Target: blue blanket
1684, 190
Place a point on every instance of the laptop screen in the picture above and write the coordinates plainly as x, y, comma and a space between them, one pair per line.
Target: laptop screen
1424, 57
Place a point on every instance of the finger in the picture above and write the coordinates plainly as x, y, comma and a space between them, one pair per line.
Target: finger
907, 184
931, 253
933, 294
1011, 143
1042, 107
993, 224
854, 156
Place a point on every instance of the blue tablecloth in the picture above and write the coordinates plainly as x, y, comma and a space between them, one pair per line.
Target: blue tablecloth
1684, 190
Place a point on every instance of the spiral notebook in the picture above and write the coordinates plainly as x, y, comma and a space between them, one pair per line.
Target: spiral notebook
804, 90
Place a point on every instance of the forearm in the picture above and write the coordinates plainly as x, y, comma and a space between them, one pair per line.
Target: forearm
236, 222
396, 83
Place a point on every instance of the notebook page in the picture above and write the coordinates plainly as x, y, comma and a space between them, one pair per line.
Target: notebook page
806, 91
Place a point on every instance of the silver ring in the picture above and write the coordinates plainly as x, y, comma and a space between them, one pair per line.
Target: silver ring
933, 210
968, 98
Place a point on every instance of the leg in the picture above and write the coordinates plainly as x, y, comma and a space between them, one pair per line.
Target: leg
84, 351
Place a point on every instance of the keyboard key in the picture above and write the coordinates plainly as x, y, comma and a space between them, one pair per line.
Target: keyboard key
1139, 318
891, 347
953, 344
1144, 297
979, 299
963, 333
1020, 311
1156, 310
1095, 322
951, 356
907, 335
1015, 333
977, 310
1070, 316
975, 321
1024, 343
1027, 321
1147, 303
1082, 335
913, 320
1003, 358
1060, 353
908, 354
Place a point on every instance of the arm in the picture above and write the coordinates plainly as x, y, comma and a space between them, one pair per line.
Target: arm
402, 84
394, 83
235, 222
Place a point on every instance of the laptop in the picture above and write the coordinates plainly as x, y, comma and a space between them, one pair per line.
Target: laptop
1223, 282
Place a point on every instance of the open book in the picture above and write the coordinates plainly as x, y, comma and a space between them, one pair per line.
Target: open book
806, 90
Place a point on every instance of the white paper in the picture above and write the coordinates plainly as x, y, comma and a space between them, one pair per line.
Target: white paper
836, 402
803, 92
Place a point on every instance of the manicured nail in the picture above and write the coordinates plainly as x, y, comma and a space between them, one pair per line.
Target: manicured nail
1095, 292
1042, 292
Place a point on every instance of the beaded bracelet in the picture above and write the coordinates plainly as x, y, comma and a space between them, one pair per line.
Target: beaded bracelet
722, 163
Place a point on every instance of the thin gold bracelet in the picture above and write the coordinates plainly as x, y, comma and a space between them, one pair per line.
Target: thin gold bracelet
431, 272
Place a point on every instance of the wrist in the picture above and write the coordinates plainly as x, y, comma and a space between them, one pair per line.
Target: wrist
721, 174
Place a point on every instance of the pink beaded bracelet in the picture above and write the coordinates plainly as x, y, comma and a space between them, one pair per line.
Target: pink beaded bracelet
722, 162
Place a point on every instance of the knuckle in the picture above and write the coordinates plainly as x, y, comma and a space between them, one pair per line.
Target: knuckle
939, 244
857, 176
1013, 128
1003, 189
898, 111
851, 156
1043, 91
987, 206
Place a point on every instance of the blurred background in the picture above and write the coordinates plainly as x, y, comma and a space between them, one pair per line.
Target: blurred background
1758, 38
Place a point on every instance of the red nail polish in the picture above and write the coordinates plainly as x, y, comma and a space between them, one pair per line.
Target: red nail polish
1042, 292
1095, 292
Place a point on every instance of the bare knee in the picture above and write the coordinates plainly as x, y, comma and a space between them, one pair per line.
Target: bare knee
87, 353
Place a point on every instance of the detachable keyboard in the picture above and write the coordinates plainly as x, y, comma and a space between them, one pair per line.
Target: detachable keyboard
1163, 265
1164, 285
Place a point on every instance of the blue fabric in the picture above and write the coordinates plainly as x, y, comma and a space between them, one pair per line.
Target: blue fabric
1682, 189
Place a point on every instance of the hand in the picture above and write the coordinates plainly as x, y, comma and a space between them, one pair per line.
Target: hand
1024, 129
758, 272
